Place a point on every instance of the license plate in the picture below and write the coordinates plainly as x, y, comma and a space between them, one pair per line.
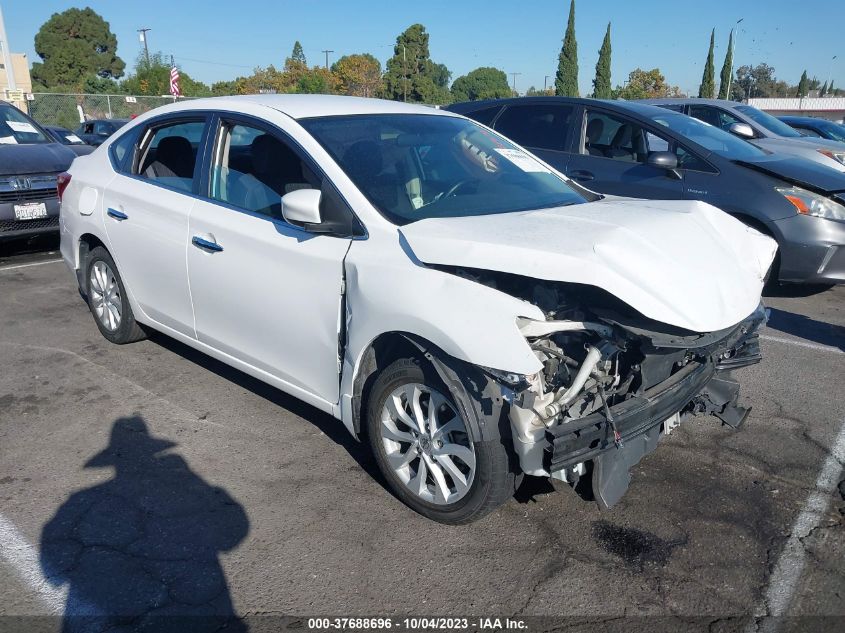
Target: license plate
30, 211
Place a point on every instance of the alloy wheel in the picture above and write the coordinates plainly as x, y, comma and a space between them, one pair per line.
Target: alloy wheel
105, 295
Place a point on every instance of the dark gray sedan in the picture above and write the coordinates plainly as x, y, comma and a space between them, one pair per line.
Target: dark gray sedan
641, 151
30, 161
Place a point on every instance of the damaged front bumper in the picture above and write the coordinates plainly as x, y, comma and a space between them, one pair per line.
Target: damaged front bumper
610, 440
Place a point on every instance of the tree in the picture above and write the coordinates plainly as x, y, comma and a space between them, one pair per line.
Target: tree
758, 81
646, 84
727, 68
823, 91
566, 79
298, 54
481, 83
411, 75
601, 84
223, 88
803, 85
153, 78
75, 45
358, 75
539, 92
316, 80
707, 89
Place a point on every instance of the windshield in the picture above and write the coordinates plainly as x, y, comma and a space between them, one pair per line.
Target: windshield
16, 128
768, 121
417, 166
710, 137
831, 129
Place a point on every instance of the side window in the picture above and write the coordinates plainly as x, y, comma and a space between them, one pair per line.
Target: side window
714, 116
122, 150
89, 128
253, 169
675, 107
620, 139
485, 116
807, 131
102, 128
688, 160
169, 154
542, 126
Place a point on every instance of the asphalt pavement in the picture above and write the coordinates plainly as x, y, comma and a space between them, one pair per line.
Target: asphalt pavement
152, 479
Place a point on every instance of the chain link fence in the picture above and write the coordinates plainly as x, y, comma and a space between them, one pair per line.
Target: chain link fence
69, 110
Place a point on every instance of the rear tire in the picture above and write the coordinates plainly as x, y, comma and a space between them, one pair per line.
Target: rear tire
432, 463
108, 301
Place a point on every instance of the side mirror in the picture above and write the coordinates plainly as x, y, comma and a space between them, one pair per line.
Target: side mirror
742, 130
302, 208
667, 161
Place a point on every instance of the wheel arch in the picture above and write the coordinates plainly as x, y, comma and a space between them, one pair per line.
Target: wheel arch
87, 243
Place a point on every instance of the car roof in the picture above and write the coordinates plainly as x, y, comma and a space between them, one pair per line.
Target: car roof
803, 119
636, 107
693, 100
301, 106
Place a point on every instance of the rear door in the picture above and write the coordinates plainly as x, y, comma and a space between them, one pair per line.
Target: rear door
612, 158
147, 207
543, 128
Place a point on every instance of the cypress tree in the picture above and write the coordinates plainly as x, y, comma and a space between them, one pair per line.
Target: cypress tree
830, 89
725, 77
823, 91
708, 80
601, 84
566, 79
803, 85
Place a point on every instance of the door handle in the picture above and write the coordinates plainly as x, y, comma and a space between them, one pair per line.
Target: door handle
582, 174
117, 215
207, 245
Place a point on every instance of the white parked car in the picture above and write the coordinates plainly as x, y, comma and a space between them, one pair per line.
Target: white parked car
453, 300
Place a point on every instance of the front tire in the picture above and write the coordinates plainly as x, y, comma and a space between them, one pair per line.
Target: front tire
427, 452
108, 301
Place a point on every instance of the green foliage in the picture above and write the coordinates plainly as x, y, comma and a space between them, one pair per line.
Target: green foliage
539, 92
566, 79
758, 81
75, 45
223, 88
803, 85
725, 76
646, 84
707, 89
153, 78
823, 91
601, 84
358, 75
481, 83
410, 72
316, 80
298, 54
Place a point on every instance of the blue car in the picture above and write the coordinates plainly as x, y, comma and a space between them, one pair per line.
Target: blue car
642, 151
813, 126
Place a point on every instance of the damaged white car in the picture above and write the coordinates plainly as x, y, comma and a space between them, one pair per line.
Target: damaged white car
454, 301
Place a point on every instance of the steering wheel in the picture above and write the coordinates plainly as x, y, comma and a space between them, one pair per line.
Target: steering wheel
456, 187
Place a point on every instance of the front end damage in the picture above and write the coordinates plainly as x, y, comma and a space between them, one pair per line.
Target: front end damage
613, 382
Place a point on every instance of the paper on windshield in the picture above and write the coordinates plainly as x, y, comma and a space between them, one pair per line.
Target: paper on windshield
73, 138
22, 126
522, 160
8, 140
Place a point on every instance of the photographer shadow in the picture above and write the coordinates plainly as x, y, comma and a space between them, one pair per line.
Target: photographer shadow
139, 552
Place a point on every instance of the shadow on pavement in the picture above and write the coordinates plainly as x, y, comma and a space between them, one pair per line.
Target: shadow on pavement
807, 328
140, 551
796, 290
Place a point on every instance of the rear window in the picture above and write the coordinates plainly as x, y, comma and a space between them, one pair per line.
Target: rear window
18, 129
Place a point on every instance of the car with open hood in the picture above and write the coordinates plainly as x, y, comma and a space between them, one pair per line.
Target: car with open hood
30, 161
632, 149
452, 300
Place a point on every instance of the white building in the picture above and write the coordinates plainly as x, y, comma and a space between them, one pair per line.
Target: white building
830, 108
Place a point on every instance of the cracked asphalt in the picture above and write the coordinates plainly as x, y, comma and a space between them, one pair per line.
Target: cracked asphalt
149, 479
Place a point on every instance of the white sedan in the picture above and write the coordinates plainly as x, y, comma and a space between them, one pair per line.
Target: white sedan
451, 299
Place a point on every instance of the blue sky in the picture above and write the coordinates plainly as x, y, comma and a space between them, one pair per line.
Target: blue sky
215, 40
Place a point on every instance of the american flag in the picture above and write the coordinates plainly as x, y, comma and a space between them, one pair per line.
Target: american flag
174, 82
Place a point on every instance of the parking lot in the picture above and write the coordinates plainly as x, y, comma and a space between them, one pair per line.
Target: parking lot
717, 524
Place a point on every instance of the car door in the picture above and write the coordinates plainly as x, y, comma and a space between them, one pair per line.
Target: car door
542, 128
147, 205
612, 159
266, 292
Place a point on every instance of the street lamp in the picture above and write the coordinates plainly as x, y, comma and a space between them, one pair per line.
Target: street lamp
734, 30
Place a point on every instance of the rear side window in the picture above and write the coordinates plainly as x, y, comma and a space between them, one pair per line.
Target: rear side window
485, 116
169, 154
122, 152
541, 126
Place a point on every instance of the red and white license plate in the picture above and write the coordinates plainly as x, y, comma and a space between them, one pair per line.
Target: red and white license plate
30, 211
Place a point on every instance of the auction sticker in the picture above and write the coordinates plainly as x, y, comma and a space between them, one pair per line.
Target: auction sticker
522, 160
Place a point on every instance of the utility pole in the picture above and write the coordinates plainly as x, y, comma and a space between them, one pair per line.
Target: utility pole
327, 57
143, 33
735, 31
404, 74
7, 56
514, 75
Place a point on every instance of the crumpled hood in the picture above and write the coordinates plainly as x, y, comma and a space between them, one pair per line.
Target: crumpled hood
798, 171
34, 158
684, 263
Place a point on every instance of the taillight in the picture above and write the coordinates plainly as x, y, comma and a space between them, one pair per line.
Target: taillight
62, 181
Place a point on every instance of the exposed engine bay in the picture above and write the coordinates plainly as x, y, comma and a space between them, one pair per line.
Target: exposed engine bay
612, 381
